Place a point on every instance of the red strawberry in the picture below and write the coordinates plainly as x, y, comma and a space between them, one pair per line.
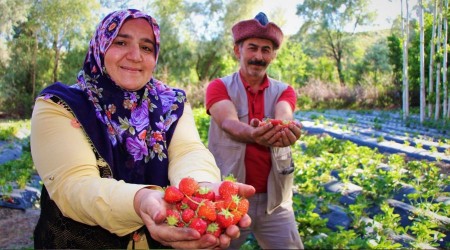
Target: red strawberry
276, 122
187, 215
188, 186
207, 210
220, 204
199, 225
205, 193
224, 218
233, 202
214, 229
262, 123
243, 205
237, 216
173, 217
173, 195
193, 202
228, 188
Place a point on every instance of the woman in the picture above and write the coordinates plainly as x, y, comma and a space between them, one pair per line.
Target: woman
105, 146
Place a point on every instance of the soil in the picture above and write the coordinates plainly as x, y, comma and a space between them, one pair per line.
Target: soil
16, 228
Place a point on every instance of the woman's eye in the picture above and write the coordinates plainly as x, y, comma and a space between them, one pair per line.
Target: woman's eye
147, 48
121, 43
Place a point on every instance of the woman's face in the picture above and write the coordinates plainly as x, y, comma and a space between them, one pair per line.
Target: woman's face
131, 58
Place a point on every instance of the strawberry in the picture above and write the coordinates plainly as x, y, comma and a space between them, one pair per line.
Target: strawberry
193, 202
221, 204
188, 186
224, 218
173, 195
173, 217
228, 188
276, 122
198, 224
214, 229
207, 210
233, 201
205, 193
243, 206
187, 215
237, 216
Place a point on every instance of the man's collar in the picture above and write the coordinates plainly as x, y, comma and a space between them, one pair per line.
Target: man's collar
262, 86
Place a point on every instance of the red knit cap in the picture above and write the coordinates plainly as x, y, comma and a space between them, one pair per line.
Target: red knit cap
259, 27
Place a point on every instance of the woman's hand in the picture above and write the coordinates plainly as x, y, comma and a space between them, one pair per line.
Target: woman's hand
151, 207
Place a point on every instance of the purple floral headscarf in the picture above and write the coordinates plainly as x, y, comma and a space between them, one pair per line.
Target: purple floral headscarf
136, 121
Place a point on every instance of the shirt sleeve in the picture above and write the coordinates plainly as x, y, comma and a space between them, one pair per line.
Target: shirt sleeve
216, 91
289, 96
67, 166
188, 156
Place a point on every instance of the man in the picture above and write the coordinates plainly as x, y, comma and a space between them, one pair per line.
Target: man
257, 154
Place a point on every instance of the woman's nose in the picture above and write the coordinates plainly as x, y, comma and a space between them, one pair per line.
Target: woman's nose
134, 53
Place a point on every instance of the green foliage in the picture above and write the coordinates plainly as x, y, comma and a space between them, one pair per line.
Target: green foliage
9, 129
202, 122
17, 171
290, 64
328, 20
316, 156
375, 62
46, 41
72, 64
395, 57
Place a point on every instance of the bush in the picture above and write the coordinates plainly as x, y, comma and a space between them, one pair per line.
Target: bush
202, 123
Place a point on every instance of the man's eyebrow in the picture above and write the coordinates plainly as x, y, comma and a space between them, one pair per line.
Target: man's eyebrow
256, 45
147, 40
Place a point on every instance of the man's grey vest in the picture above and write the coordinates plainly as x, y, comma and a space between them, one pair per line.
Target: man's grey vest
230, 154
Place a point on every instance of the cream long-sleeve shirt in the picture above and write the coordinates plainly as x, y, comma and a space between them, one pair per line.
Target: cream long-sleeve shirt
67, 165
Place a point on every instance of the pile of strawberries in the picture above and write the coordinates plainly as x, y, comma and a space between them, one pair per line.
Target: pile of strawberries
201, 209
276, 122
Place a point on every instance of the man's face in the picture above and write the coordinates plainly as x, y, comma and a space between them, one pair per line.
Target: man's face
255, 55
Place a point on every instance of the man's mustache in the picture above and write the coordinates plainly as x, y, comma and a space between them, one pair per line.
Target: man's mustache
257, 62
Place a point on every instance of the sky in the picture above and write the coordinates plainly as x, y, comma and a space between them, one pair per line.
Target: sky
387, 11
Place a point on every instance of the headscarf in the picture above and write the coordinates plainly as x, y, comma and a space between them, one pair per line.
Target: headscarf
139, 123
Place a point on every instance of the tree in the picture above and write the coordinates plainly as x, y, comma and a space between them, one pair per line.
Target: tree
62, 22
376, 60
405, 33
330, 20
52, 30
445, 103
196, 40
395, 59
438, 65
422, 64
13, 12
431, 64
290, 64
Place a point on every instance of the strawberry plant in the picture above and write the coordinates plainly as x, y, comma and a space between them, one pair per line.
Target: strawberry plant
381, 177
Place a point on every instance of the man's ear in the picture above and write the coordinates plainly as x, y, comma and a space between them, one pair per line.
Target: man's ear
236, 50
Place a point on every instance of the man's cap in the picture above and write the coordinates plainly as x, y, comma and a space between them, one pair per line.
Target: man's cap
259, 27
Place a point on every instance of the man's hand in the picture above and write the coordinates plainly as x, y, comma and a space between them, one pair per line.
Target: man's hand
275, 136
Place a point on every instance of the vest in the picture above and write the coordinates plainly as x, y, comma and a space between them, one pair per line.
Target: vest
230, 154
